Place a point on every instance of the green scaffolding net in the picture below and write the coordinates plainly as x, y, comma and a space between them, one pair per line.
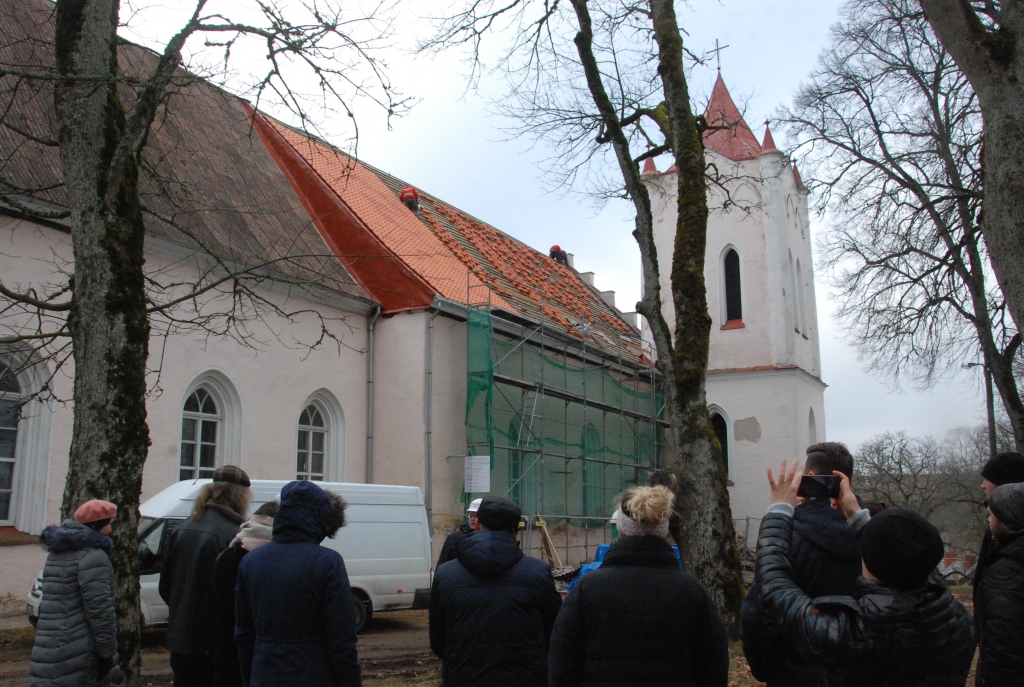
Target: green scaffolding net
566, 434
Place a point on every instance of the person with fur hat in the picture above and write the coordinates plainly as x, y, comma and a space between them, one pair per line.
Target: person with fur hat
1005, 468
999, 598
639, 619
899, 629
76, 636
471, 526
187, 574
295, 618
254, 532
492, 608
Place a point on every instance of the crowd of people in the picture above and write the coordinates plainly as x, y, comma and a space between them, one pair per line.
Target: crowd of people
845, 595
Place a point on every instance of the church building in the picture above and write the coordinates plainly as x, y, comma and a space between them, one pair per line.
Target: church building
764, 387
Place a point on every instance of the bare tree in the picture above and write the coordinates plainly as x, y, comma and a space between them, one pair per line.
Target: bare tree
103, 116
583, 76
893, 132
986, 39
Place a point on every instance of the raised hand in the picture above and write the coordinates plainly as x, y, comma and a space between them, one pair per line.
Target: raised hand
784, 491
847, 499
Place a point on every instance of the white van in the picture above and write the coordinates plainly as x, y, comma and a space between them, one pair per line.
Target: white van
385, 544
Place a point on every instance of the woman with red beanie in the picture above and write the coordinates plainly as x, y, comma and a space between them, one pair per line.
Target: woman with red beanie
76, 638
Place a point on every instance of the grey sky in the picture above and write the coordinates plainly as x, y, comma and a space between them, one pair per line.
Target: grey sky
452, 147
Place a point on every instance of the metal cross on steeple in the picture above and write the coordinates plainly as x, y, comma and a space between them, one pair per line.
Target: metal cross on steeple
718, 53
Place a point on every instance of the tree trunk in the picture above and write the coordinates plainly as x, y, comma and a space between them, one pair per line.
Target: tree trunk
108, 320
993, 61
702, 496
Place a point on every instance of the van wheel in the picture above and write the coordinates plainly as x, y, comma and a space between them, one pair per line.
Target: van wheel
364, 611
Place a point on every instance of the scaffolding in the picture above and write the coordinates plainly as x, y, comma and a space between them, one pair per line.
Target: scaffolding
567, 425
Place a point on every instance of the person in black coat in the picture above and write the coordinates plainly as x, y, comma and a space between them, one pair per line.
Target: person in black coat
295, 618
492, 608
639, 619
900, 630
186, 577
254, 532
825, 557
1005, 468
448, 548
999, 599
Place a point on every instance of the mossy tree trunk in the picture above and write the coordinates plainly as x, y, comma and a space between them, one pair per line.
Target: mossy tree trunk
108, 320
704, 526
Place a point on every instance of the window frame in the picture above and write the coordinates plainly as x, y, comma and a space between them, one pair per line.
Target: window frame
312, 429
199, 418
17, 459
724, 288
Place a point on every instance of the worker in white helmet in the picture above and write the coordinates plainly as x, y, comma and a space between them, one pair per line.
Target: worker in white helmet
448, 549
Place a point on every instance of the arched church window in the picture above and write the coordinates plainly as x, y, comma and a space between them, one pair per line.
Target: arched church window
800, 298
794, 305
812, 428
10, 415
309, 461
733, 298
721, 428
200, 434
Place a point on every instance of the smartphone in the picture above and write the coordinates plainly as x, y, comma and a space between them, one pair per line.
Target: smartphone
814, 487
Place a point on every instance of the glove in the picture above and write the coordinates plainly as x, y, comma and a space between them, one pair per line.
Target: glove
107, 670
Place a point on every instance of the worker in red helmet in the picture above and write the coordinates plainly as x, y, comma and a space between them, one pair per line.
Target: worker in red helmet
559, 255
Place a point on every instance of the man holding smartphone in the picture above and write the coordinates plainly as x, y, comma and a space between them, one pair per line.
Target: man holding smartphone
825, 559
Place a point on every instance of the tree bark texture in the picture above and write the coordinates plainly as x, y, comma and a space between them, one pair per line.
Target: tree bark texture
703, 526
992, 59
108, 321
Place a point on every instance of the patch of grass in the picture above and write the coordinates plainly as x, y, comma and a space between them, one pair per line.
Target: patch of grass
16, 645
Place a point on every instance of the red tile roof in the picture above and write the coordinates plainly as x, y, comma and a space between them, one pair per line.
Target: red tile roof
464, 259
768, 144
728, 135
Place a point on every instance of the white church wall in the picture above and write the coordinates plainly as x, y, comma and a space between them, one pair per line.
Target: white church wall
265, 386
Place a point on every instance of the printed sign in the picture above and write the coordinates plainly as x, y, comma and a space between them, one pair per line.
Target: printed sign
478, 474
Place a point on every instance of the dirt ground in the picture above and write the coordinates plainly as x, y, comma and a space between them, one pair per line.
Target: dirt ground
394, 651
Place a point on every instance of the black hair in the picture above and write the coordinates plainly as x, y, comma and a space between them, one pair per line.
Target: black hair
828, 457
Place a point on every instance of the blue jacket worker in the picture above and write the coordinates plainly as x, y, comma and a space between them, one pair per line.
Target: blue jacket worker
492, 608
295, 620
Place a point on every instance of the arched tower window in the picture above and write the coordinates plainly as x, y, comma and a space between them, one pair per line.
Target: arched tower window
10, 416
312, 445
721, 428
200, 435
793, 300
812, 428
733, 298
800, 298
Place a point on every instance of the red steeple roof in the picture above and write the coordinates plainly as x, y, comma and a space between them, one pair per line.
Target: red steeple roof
728, 135
768, 145
796, 177
649, 167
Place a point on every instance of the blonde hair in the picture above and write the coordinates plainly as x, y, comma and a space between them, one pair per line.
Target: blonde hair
647, 505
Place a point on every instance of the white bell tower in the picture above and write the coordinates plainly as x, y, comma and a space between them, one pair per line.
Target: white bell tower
764, 386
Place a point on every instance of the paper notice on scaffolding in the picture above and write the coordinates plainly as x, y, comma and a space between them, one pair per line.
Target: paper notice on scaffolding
478, 474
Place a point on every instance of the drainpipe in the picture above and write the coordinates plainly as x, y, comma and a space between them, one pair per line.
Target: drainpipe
430, 422
369, 396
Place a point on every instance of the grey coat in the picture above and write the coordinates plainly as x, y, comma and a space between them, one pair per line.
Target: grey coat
76, 638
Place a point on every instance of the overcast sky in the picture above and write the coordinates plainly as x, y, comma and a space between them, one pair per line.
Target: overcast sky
452, 147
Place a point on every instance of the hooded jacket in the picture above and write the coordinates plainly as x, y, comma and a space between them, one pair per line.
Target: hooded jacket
825, 556
491, 613
76, 636
187, 578
295, 621
999, 614
450, 542
881, 638
639, 620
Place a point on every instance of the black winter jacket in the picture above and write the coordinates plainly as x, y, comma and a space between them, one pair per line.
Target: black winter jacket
639, 620
882, 638
225, 579
999, 613
450, 542
491, 612
826, 562
295, 618
186, 578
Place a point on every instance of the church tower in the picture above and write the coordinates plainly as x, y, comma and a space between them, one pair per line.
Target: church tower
764, 387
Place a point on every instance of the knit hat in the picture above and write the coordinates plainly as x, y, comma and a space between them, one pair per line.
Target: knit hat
644, 510
900, 548
474, 506
1007, 504
1006, 468
94, 511
499, 514
632, 528
233, 474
